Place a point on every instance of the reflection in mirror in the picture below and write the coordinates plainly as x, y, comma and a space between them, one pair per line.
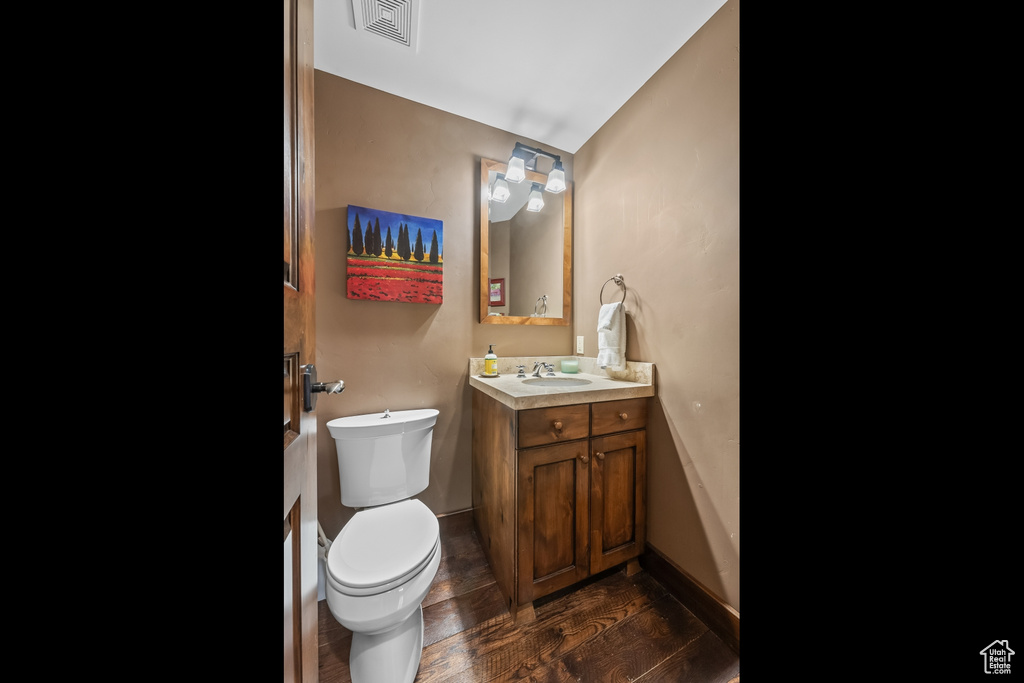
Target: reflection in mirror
525, 255
526, 251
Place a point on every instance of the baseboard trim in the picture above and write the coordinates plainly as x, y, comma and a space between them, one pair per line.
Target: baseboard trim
706, 606
456, 512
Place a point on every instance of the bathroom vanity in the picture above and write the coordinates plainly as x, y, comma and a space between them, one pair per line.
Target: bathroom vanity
559, 476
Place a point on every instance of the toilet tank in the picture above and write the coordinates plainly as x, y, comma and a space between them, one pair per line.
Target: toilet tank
383, 457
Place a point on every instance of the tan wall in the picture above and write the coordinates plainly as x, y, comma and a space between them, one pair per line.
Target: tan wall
380, 151
657, 200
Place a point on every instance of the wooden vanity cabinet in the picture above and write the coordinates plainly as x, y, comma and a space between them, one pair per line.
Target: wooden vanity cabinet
558, 493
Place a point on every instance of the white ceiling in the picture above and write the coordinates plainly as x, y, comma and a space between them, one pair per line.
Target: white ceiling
553, 71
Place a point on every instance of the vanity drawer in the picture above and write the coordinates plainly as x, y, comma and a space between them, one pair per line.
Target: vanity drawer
542, 426
619, 416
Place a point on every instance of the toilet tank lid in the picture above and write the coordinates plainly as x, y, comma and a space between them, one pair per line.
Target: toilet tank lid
382, 424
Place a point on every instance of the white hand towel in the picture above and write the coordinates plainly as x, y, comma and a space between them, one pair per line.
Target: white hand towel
611, 336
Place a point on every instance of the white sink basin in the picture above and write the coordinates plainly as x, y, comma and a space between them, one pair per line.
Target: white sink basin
556, 382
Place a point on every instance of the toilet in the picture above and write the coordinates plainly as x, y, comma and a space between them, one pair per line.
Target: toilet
381, 565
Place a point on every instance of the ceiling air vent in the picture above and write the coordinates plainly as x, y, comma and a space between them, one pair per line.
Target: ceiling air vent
392, 19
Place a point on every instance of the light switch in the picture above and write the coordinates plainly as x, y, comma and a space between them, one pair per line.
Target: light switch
579, 344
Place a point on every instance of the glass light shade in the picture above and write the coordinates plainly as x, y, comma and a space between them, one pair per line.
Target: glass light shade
500, 192
556, 179
516, 172
536, 199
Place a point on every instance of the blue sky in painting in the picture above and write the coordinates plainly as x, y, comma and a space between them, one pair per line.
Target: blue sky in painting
427, 225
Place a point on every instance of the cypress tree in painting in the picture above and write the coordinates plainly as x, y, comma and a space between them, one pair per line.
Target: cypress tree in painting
376, 237
368, 240
419, 245
357, 238
388, 246
433, 248
403, 242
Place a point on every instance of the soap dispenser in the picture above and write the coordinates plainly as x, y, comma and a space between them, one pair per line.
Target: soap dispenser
490, 362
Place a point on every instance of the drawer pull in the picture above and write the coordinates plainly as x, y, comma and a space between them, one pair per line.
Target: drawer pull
623, 416
600, 455
585, 458
557, 425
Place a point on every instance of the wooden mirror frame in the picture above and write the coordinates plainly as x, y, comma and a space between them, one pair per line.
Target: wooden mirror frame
486, 166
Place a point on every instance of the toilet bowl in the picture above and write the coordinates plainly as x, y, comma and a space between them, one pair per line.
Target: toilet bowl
379, 569
381, 566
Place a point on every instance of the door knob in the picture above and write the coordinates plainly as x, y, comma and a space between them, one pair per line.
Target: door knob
600, 455
585, 458
310, 387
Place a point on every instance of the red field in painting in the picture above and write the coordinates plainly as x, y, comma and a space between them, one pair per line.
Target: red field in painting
382, 280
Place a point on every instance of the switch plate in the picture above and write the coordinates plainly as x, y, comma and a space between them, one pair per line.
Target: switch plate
579, 344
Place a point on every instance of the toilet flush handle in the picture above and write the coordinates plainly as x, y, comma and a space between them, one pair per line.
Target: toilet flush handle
310, 387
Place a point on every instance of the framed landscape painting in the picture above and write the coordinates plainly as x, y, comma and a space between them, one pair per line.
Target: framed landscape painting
394, 257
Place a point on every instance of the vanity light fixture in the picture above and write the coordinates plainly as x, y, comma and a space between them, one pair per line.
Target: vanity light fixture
536, 199
556, 178
500, 192
525, 158
516, 172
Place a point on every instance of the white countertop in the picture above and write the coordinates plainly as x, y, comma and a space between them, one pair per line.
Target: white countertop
636, 381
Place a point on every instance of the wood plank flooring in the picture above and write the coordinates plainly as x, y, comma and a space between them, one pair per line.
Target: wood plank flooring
610, 628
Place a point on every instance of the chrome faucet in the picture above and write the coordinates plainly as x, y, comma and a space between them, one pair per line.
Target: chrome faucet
541, 365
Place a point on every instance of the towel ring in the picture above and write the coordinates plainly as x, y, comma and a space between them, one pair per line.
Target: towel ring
618, 280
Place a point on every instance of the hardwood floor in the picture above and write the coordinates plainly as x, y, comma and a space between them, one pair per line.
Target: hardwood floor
610, 628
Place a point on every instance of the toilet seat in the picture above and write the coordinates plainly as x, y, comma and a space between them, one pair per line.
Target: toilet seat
382, 547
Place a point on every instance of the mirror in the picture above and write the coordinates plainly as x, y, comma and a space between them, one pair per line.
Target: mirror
525, 256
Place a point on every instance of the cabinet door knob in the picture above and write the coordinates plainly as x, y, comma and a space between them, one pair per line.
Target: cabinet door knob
600, 455
623, 415
585, 458
558, 425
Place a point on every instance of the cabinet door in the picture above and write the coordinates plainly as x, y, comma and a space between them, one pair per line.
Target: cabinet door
618, 478
553, 518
